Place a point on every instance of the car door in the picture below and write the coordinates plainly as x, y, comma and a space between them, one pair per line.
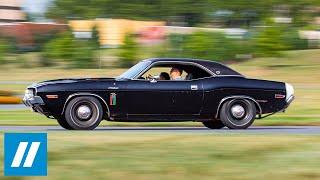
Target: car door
188, 97
164, 98
154, 98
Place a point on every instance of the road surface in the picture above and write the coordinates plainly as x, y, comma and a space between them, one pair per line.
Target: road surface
203, 130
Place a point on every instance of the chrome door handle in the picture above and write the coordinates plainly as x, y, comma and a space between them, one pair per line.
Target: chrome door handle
194, 87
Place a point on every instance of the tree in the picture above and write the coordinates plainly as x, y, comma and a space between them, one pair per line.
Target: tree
270, 41
78, 53
205, 45
192, 11
4, 49
95, 38
128, 51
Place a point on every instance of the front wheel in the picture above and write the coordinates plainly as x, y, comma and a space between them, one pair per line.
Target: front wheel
63, 123
238, 113
84, 113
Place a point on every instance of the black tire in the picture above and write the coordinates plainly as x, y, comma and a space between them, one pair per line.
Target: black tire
215, 124
87, 119
233, 118
63, 123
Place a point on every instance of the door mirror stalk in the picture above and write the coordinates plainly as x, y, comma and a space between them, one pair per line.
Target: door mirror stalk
153, 80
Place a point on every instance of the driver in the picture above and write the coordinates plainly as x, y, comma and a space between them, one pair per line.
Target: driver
164, 76
175, 74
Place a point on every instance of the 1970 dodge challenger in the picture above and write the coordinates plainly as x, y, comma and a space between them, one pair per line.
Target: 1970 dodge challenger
207, 91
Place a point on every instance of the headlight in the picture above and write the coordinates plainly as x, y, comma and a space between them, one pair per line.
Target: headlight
289, 91
29, 93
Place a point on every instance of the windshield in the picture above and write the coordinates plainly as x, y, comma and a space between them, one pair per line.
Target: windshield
134, 70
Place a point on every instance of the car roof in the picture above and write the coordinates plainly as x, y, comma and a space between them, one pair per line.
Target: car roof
199, 61
215, 67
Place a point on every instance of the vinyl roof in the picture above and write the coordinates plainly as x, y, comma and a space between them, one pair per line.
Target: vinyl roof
215, 67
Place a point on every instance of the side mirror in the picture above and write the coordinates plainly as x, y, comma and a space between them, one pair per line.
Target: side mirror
153, 80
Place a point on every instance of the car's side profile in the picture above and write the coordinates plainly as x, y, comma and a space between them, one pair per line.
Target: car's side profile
208, 92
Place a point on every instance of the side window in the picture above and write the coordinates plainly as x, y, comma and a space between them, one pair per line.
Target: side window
175, 72
155, 72
161, 73
195, 72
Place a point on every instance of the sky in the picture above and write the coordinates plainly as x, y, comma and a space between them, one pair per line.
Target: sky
35, 6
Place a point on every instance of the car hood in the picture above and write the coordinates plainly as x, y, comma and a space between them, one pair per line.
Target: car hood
68, 81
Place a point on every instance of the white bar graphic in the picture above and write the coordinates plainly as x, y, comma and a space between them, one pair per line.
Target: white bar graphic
31, 154
19, 154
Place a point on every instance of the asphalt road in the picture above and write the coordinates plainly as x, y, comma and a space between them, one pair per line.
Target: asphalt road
252, 130
9, 107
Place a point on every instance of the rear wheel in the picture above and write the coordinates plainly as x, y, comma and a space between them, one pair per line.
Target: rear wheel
215, 124
238, 113
84, 113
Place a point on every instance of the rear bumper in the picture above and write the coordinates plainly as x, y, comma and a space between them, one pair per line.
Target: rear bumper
289, 101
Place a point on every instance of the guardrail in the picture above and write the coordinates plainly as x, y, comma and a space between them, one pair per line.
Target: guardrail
10, 100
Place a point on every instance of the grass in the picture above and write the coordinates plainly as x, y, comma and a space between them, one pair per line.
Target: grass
114, 155
28, 118
300, 68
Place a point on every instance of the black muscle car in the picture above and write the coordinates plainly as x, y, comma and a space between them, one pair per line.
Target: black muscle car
207, 91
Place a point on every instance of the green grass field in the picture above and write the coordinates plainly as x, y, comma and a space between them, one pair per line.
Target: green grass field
107, 155
300, 68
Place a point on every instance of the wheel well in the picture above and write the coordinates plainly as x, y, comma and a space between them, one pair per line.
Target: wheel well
258, 107
100, 99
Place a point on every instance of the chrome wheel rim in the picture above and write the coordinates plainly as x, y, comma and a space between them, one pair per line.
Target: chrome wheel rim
238, 111
84, 112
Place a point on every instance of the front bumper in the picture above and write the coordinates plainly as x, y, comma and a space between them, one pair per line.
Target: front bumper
35, 103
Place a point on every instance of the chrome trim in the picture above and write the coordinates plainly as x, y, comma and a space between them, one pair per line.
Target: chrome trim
153, 80
237, 97
85, 94
183, 80
194, 87
33, 101
289, 101
174, 62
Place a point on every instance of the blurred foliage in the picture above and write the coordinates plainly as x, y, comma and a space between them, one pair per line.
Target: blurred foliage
95, 38
192, 12
61, 47
43, 38
4, 49
79, 53
205, 45
22, 61
266, 42
269, 42
128, 51
293, 41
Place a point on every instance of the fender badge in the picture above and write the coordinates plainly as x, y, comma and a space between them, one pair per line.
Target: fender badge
113, 99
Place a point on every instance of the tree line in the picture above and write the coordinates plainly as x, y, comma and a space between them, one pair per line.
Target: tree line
193, 12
